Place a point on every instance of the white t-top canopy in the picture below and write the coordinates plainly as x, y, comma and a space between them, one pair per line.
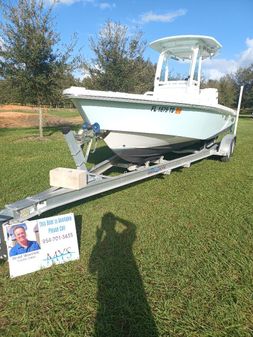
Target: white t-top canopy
181, 46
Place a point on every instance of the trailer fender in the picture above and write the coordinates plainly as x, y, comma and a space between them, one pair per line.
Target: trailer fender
226, 147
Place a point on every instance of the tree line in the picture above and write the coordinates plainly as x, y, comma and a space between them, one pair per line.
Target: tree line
35, 68
229, 88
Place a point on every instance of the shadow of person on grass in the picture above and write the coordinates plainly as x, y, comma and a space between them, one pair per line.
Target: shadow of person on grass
123, 309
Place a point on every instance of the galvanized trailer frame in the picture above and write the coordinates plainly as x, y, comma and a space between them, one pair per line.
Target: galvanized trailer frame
98, 182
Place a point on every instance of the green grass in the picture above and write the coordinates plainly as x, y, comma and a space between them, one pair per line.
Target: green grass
64, 113
175, 258
60, 112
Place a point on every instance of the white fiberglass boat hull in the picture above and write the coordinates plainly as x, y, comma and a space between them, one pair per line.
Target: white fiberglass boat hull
139, 148
176, 115
141, 127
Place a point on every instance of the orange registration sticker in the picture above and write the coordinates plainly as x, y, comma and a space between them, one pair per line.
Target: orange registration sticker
178, 111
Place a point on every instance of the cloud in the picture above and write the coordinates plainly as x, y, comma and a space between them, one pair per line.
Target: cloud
64, 2
95, 3
105, 5
217, 68
246, 57
68, 2
167, 17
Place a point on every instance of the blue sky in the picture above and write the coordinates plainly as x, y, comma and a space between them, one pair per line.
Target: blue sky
229, 21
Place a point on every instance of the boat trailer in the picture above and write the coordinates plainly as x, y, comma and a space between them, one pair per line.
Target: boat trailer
97, 181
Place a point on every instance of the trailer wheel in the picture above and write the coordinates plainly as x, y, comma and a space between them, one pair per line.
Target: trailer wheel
230, 152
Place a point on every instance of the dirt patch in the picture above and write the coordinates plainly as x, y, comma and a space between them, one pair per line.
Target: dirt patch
11, 119
16, 107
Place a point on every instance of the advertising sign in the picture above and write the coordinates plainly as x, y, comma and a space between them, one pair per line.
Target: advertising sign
33, 245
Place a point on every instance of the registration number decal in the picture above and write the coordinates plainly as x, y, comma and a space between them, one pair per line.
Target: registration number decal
166, 109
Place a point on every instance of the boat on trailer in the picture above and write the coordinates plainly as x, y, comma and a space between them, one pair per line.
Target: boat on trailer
176, 116
135, 120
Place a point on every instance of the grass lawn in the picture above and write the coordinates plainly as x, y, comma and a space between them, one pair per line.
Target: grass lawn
60, 112
64, 113
175, 258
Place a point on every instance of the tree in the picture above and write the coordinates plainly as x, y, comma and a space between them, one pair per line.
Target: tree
226, 87
118, 64
229, 88
227, 91
244, 76
30, 63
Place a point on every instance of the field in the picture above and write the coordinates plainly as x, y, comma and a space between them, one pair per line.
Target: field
16, 116
175, 258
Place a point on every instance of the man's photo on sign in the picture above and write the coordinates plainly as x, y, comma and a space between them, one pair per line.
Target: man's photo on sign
22, 240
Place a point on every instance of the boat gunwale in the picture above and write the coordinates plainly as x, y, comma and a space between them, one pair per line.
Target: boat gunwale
214, 108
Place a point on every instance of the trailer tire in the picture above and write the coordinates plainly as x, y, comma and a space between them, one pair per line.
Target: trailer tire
226, 158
